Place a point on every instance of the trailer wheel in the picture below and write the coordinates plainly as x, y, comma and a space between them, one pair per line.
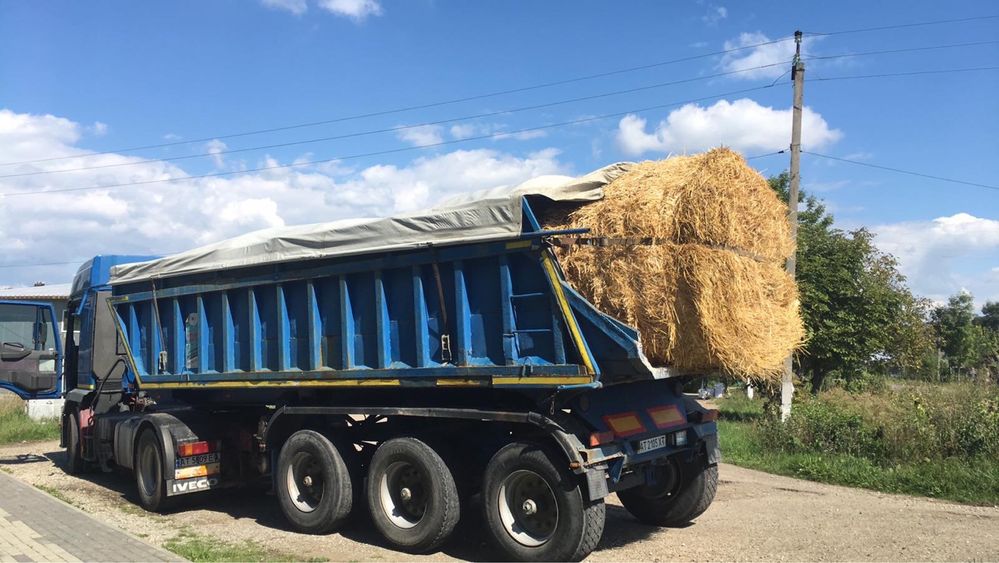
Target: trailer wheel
535, 509
676, 499
313, 484
412, 495
74, 452
148, 469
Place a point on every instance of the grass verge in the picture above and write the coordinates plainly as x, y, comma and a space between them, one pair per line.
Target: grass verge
52, 491
195, 547
15, 426
744, 441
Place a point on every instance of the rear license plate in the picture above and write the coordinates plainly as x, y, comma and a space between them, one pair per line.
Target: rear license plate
651, 444
200, 459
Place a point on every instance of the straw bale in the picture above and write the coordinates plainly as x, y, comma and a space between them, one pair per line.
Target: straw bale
710, 293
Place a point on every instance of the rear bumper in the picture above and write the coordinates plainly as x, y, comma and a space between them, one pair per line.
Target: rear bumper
618, 466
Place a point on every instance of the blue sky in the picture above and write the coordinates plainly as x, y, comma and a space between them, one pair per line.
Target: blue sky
78, 78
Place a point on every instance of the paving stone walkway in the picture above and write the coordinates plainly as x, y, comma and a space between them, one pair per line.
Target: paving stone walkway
37, 527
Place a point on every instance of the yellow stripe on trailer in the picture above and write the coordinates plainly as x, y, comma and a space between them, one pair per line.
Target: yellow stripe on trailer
570, 318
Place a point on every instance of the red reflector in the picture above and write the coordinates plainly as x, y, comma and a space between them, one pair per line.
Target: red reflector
665, 417
624, 424
599, 438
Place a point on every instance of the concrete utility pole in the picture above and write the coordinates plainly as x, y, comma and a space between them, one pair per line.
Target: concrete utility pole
798, 77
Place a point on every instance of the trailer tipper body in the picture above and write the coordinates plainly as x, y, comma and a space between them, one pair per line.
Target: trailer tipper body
407, 363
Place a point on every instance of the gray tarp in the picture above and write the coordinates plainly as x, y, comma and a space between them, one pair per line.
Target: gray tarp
493, 214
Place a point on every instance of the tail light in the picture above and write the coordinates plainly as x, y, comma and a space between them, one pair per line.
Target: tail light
600, 438
196, 448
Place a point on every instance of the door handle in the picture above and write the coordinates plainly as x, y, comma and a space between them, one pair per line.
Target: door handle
13, 351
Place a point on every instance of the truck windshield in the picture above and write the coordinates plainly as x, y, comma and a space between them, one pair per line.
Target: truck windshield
29, 326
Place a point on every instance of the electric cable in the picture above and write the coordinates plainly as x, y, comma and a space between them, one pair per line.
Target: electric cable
901, 171
389, 151
416, 106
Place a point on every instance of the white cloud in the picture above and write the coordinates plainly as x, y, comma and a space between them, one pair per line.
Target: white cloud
358, 10
772, 54
422, 135
98, 129
297, 7
215, 148
715, 14
743, 125
468, 130
930, 252
186, 212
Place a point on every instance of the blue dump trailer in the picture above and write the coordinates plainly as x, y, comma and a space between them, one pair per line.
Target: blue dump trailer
423, 380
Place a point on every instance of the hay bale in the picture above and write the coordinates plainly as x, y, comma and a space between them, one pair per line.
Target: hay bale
711, 293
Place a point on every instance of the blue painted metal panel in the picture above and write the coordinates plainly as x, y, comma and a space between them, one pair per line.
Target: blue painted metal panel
377, 316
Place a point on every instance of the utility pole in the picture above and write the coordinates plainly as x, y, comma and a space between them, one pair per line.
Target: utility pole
798, 77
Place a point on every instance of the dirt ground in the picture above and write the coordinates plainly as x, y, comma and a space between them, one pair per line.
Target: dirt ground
756, 516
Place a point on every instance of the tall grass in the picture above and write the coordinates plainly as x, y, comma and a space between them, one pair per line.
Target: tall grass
15, 426
932, 440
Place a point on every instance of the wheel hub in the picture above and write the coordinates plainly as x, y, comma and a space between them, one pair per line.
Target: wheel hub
528, 508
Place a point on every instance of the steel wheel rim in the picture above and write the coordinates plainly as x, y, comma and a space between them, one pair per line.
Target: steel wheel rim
403, 493
528, 508
149, 470
304, 478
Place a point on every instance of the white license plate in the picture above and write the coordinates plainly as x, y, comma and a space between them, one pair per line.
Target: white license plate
201, 459
651, 444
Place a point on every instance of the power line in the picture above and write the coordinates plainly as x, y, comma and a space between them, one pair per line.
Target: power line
393, 151
900, 171
910, 73
414, 107
40, 264
520, 109
782, 151
399, 127
901, 26
892, 51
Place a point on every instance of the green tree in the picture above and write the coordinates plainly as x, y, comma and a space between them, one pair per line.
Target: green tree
990, 316
969, 343
857, 311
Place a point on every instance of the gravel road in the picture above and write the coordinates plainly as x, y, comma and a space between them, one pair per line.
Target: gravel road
756, 516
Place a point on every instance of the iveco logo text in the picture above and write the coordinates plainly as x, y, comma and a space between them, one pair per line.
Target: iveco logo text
193, 485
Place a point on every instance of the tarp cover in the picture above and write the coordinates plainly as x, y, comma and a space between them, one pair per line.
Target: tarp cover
493, 214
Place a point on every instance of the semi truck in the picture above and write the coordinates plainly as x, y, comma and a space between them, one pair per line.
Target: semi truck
423, 366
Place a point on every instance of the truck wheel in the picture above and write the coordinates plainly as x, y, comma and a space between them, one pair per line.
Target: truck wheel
74, 453
673, 500
313, 484
535, 509
412, 495
148, 469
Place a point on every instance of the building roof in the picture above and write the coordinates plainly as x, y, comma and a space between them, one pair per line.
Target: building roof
41, 292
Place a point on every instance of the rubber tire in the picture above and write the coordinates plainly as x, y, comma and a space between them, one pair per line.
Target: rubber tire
443, 509
690, 501
156, 500
333, 509
580, 523
74, 453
